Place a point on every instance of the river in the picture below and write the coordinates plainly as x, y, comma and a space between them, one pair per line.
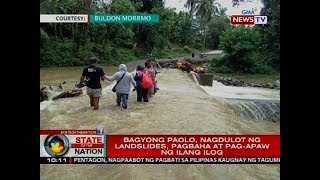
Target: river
180, 107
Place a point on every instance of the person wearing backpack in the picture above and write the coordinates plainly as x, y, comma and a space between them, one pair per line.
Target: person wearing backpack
123, 88
156, 88
153, 65
143, 81
150, 70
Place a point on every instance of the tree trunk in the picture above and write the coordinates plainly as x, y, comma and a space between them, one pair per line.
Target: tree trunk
72, 93
204, 37
60, 32
55, 30
72, 28
77, 38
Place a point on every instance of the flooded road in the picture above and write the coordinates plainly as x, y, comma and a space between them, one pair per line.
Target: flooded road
180, 107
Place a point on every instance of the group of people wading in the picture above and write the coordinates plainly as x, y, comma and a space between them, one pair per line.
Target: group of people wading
143, 81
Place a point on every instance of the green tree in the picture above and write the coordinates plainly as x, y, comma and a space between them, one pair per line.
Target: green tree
271, 31
241, 45
191, 4
215, 28
70, 44
220, 11
149, 4
183, 29
204, 10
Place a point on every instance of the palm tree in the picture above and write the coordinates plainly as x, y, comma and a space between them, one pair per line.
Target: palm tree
191, 4
219, 10
204, 10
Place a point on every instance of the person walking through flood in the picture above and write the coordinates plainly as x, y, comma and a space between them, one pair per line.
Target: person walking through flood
142, 93
93, 74
152, 73
124, 86
155, 72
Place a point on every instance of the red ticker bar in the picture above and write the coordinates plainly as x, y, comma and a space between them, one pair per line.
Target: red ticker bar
193, 146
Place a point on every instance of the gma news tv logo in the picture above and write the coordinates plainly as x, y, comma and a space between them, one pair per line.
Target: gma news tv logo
248, 20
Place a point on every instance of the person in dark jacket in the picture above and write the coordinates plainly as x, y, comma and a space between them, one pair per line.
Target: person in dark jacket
142, 93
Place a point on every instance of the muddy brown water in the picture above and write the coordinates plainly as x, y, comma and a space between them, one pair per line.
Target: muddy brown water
180, 107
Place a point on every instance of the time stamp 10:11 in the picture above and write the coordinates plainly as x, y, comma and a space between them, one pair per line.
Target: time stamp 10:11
57, 160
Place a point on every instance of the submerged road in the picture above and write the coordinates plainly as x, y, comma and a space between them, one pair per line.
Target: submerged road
180, 107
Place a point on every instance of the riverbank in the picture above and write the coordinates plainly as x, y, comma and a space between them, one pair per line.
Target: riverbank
53, 56
199, 66
261, 82
250, 78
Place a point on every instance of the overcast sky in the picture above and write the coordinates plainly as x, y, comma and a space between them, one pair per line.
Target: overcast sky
179, 5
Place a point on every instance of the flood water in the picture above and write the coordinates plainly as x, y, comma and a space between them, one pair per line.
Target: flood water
180, 107
251, 102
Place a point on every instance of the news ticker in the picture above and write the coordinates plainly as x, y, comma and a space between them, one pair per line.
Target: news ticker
102, 160
100, 18
95, 147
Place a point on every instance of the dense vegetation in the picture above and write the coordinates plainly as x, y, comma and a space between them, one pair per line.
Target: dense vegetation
252, 49
206, 26
177, 33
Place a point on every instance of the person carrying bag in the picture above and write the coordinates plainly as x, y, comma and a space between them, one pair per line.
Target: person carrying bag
123, 86
114, 87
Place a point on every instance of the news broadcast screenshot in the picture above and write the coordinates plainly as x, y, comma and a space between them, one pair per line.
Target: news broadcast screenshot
160, 89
